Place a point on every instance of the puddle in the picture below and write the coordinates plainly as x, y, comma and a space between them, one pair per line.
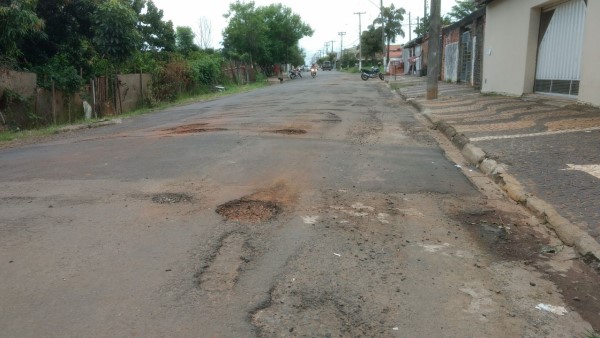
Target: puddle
248, 211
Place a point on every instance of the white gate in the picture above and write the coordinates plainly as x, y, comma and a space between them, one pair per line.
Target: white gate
560, 45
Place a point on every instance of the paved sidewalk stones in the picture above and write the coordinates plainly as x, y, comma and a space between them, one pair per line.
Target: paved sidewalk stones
544, 151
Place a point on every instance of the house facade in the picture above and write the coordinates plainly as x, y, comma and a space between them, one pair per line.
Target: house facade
417, 49
395, 64
543, 46
462, 50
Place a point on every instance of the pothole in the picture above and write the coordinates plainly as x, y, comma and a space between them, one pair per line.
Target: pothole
170, 198
193, 128
290, 131
248, 211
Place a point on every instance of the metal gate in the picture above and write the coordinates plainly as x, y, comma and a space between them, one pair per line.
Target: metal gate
466, 57
560, 44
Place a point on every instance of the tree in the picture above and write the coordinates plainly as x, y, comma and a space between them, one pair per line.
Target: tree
371, 42
67, 31
184, 40
157, 34
422, 27
284, 30
17, 21
115, 33
246, 31
392, 21
461, 10
267, 34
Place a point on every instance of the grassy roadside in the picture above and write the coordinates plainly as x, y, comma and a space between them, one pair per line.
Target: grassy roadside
19, 135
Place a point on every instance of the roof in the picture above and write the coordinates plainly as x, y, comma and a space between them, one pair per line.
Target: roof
413, 42
466, 20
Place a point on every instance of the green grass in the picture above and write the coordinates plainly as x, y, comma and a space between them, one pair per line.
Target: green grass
592, 334
8, 136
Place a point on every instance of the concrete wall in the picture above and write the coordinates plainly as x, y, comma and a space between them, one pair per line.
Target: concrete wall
20, 82
511, 42
134, 88
589, 86
59, 107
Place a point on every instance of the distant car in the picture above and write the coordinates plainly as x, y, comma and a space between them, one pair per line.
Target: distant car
326, 65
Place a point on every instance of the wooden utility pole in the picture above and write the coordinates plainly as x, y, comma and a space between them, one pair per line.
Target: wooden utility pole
382, 33
433, 68
359, 38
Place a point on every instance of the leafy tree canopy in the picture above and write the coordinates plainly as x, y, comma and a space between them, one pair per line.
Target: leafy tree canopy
184, 38
157, 35
267, 34
115, 33
392, 21
461, 10
371, 42
18, 20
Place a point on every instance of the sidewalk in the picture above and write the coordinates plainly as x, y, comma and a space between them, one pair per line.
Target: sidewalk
543, 150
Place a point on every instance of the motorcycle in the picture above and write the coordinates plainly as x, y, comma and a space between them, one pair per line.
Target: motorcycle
295, 73
371, 74
313, 72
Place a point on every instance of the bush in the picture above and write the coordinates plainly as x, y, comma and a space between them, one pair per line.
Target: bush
206, 70
16, 113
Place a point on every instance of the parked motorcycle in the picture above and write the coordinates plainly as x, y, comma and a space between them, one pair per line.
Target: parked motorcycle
371, 74
295, 73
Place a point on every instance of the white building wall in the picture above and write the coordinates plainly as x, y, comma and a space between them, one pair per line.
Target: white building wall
510, 48
589, 86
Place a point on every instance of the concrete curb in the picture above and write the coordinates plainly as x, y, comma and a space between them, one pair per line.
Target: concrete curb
567, 232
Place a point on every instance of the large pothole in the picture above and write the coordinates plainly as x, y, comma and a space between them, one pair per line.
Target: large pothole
289, 131
192, 128
248, 211
170, 198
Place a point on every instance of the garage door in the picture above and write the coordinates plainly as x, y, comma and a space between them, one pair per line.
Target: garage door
559, 49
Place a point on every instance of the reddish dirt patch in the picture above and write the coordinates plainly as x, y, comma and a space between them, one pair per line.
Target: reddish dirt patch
192, 128
290, 131
248, 211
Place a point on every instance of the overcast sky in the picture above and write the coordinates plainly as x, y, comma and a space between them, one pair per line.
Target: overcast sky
327, 18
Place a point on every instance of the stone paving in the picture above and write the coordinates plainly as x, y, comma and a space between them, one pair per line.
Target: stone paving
550, 144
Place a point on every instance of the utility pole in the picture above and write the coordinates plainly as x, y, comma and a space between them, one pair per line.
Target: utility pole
409, 28
382, 33
341, 34
433, 54
332, 41
359, 38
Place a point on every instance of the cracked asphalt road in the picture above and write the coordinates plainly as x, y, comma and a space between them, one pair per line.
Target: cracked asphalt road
351, 221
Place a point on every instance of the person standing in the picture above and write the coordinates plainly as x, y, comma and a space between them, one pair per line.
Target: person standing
412, 62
